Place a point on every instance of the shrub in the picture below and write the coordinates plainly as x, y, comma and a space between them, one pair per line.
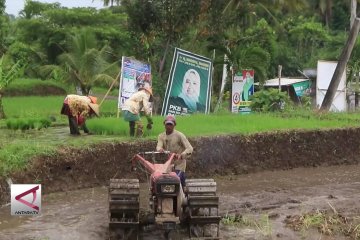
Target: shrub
269, 101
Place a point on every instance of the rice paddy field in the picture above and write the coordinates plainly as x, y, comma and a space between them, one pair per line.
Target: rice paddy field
18, 146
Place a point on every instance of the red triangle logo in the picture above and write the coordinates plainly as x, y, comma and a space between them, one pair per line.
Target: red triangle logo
33, 191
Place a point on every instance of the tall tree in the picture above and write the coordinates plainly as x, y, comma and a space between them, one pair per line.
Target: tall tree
35, 8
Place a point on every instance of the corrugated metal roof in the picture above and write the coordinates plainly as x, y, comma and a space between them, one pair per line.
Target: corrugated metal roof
283, 81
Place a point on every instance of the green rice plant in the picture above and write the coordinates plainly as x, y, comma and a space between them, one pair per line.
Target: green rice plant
327, 223
261, 223
27, 123
313, 220
213, 124
49, 106
107, 126
231, 219
264, 225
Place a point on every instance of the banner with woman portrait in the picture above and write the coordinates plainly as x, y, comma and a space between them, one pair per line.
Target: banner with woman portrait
242, 89
189, 86
134, 74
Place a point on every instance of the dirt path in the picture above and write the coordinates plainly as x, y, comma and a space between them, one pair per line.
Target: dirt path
277, 195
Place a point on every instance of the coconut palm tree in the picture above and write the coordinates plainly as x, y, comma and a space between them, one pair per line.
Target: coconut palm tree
8, 73
241, 57
255, 9
84, 64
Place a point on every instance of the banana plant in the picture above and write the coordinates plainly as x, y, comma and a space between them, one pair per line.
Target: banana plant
8, 73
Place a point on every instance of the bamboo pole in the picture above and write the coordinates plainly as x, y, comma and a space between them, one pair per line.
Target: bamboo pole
111, 86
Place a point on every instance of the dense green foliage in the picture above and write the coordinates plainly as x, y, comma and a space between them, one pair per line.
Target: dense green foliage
253, 34
269, 100
33, 87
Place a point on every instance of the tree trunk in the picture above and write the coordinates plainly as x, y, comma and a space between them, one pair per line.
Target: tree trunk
2, 113
328, 12
352, 12
356, 100
344, 58
162, 62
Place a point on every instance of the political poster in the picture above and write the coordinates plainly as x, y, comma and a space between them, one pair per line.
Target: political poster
134, 74
242, 89
189, 85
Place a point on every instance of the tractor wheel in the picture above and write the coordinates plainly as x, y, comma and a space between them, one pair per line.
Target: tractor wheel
124, 209
202, 208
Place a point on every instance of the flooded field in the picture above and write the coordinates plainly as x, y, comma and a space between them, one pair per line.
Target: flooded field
266, 199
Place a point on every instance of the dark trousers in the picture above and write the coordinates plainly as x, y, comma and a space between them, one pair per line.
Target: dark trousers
74, 127
132, 128
182, 177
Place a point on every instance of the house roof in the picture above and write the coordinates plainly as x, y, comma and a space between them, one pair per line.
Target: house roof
283, 81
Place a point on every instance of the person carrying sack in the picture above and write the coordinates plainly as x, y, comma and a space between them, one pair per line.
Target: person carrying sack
138, 102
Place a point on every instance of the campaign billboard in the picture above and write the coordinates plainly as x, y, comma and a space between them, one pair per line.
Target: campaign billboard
242, 89
134, 74
189, 85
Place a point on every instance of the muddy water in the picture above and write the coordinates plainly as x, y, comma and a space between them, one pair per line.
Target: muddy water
82, 214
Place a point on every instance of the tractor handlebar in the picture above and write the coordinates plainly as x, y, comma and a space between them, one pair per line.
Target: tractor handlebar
154, 152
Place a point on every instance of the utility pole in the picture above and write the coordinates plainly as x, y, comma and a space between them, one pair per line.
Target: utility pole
344, 58
279, 76
357, 76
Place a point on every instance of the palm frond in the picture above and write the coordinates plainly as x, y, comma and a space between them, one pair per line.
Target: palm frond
8, 72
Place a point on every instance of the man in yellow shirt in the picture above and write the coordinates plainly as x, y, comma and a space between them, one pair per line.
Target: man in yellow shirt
175, 142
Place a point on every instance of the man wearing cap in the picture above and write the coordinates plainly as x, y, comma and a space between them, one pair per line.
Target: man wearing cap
139, 101
175, 142
77, 108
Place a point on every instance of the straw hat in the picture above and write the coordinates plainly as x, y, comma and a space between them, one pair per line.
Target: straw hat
93, 99
95, 108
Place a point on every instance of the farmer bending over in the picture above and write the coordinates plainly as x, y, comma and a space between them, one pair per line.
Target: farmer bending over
131, 110
175, 142
78, 108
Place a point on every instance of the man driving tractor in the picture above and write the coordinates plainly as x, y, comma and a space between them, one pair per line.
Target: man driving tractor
175, 142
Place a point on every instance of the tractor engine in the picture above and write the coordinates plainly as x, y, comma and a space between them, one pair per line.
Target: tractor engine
165, 189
